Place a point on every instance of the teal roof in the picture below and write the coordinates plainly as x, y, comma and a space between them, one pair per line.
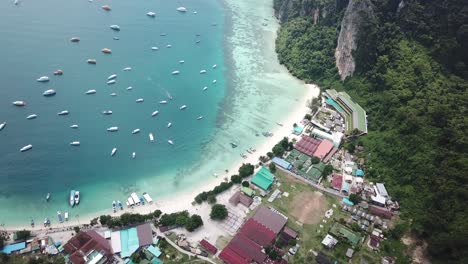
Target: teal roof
298, 129
13, 247
263, 179
129, 242
357, 117
155, 251
156, 261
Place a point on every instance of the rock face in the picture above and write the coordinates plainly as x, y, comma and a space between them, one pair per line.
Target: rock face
356, 12
288, 9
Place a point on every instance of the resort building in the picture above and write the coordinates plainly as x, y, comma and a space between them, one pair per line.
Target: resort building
126, 242
353, 113
88, 247
313, 147
282, 163
263, 179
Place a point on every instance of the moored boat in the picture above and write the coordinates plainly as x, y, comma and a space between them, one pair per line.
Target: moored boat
66, 216
163, 102
127, 69
31, 116
200, 118
151, 137
147, 197
151, 14
215, 81
170, 142
58, 72
113, 206
50, 92
43, 79
74, 126
91, 61
113, 129
75, 39
169, 125
19, 103
175, 72
182, 107
107, 112
77, 197
75, 143
72, 198
139, 100
92, 91
32, 223
47, 197
155, 113
115, 27
111, 77
120, 205
46, 222
133, 155
154, 48
111, 82
26, 148
136, 131
2, 125
182, 9
59, 216
106, 51
106, 7
63, 113
114, 150
214, 66
205, 88
129, 88
202, 71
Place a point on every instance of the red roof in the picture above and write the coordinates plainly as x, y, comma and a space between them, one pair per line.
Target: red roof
307, 145
231, 257
247, 249
381, 212
85, 242
258, 233
337, 180
270, 219
208, 246
323, 149
289, 232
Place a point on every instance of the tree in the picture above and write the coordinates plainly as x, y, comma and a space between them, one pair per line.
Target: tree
327, 170
245, 184
315, 160
236, 179
356, 199
105, 219
76, 229
246, 170
212, 199
272, 167
313, 104
355, 227
278, 150
292, 242
218, 212
193, 223
270, 154
23, 234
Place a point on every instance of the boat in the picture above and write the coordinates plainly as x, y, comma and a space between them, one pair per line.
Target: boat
58, 72
136, 131
113, 94
243, 155
74, 126
202, 71
47, 197
115, 27
197, 41
50, 92
91, 61
135, 198
106, 51
183, 107
31, 116
195, 12
151, 14
32, 222
72, 198
233, 145
107, 112
147, 197
155, 113
182, 9
59, 216
19, 103
113, 129
163, 34
75, 39
111, 77
113, 206
26, 148
170, 142
169, 95
46, 221
168, 46
214, 66
127, 69
130, 202
77, 197
2, 126
111, 82
66, 216
16, 2
151, 137
214, 81
139, 100
175, 72
91, 91
154, 48
163, 102
43, 79
249, 151
114, 150
181, 62
63, 113
75, 143
169, 125
200, 118
120, 205
133, 155
142, 200
129, 88
252, 149
205, 88
106, 7
115, 38
279, 124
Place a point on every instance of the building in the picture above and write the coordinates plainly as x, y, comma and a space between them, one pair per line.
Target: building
8, 249
344, 232
378, 200
355, 116
282, 163
240, 197
258, 233
208, 246
384, 213
263, 179
381, 190
323, 149
271, 219
288, 234
127, 241
88, 247
335, 137
323, 259
329, 241
337, 181
349, 252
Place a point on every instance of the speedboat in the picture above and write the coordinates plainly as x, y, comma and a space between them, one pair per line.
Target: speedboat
120, 205
91, 91
91, 61
181, 62
214, 81
107, 112
72, 198
182, 9
202, 71
115, 27
50, 92
75, 39
31, 116
205, 88
74, 126
77, 197
129, 88
200, 118
19, 103
2, 125
75, 143
168, 46
106, 51
127, 69
47, 197
155, 113
43, 79
66, 216
113, 129
169, 125
170, 142
58, 72
111, 77
163, 102
214, 66
197, 41
195, 12
106, 7
151, 137
139, 100
151, 14
59, 216
115, 38
114, 150
63, 113
111, 82
136, 131
175, 72
113, 94
183, 107
46, 222
233, 145
154, 48
133, 155
113, 206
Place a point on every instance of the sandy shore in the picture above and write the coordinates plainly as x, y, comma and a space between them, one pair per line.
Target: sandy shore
184, 200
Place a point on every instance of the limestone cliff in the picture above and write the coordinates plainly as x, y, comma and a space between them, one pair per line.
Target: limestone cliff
356, 12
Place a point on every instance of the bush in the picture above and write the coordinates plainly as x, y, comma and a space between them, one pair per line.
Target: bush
272, 167
76, 229
278, 150
292, 242
308, 117
212, 199
245, 184
236, 179
270, 155
193, 223
246, 170
354, 198
218, 212
327, 170
94, 221
315, 160
105, 219
23, 234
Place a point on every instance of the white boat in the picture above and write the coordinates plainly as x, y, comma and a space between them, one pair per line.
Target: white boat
77, 197
205, 88
16, 2
72, 198
111, 77
113, 129
136, 131
168, 46
115, 27
111, 82
114, 150
74, 126
113, 94
75, 143
26, 148
155, 113
200, 118
183, 107
49, 92
130, 202
181, 62
154, 48
47, 197
182, 9
129, 88
135, 198
151, 137
2, 125
202, 71
163, 102
107, 112
151, 14
139, 100
169, 125
43, 79
214, 81
133, 155
147, 197
175, 72
92, 91
31, 116
214, 66
19, 103
59, 216
169, 95
63, 113
170, 142
127, 69
66, 216
195, 12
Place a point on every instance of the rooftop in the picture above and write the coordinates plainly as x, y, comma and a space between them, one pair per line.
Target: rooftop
323, 149
258, 233
263, 179
356, 113
270, 219
307, 145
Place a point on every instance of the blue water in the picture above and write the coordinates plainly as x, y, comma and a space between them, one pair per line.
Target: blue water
35, 42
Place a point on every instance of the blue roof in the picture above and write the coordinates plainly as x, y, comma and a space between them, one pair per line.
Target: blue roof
359, 172
13, 247
155, 251
282, 163
298, 130
345, 187
347, 201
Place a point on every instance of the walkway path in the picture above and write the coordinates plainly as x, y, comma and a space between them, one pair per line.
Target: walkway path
183, 251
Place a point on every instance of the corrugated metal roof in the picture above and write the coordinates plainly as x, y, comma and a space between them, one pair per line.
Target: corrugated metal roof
263, 179
258, 233
282, 163
270, 219
13, 247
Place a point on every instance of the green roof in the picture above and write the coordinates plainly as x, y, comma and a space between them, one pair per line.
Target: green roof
314, 174
263, 179
247, 191
340, 230
319, 166
356, 115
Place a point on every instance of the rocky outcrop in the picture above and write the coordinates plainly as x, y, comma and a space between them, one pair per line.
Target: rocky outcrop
289, 9
356, 12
